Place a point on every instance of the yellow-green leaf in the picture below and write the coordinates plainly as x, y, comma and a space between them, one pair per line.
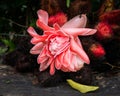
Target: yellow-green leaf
80, 87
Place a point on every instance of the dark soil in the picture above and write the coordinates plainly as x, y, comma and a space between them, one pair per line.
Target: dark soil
16, 84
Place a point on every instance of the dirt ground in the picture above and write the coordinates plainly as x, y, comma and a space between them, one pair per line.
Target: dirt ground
16, 84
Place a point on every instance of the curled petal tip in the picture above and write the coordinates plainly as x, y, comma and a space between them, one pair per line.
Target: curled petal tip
80, 52
43, 16
94, 31
32, 32
87, 61
30, 29
89, 31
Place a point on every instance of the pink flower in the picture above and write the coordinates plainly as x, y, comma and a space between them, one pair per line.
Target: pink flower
59, 47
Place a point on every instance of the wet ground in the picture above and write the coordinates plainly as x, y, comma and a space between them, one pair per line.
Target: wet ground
16, 84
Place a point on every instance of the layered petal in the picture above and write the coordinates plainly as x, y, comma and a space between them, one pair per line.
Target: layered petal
37, 48
36, 40
57, 63
44, 66
79, 31
68, 57
42, 56
52, 68
32, 32
43, 16
36, 37
80, 63
76, 22
43, 26
79, 51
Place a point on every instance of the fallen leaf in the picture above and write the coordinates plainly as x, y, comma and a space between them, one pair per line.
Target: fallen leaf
80, 87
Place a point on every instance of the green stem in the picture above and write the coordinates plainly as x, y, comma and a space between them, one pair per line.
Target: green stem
68, 3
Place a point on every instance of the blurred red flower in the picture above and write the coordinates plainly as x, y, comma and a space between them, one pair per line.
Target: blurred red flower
104, 30
97, 50
59, 18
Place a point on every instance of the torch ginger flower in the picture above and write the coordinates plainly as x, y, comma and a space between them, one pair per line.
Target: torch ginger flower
60, 47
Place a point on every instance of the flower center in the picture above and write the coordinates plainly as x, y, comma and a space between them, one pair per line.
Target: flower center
58, 45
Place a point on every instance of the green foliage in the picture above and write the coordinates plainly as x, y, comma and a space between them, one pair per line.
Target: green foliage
15, 17
9, 44
6, 46
2, 50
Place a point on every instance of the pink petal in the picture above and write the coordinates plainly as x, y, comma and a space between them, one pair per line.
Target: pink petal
36, 40
57, 30
79, 31
52, 68
61, 58
50, 60
63, 48
64, 61
56, 26
79, 51
68, 57
64, 69
78, 42
43, 16
59, 61
44, 66
32, 32
57, 64
76, 22
43, 26
42, 57
46, 63
79, 63
37, 48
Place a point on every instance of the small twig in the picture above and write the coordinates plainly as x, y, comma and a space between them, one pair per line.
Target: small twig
112, 65
17, 35
23, 26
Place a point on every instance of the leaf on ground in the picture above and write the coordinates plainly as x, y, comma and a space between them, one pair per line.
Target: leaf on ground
80, 87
